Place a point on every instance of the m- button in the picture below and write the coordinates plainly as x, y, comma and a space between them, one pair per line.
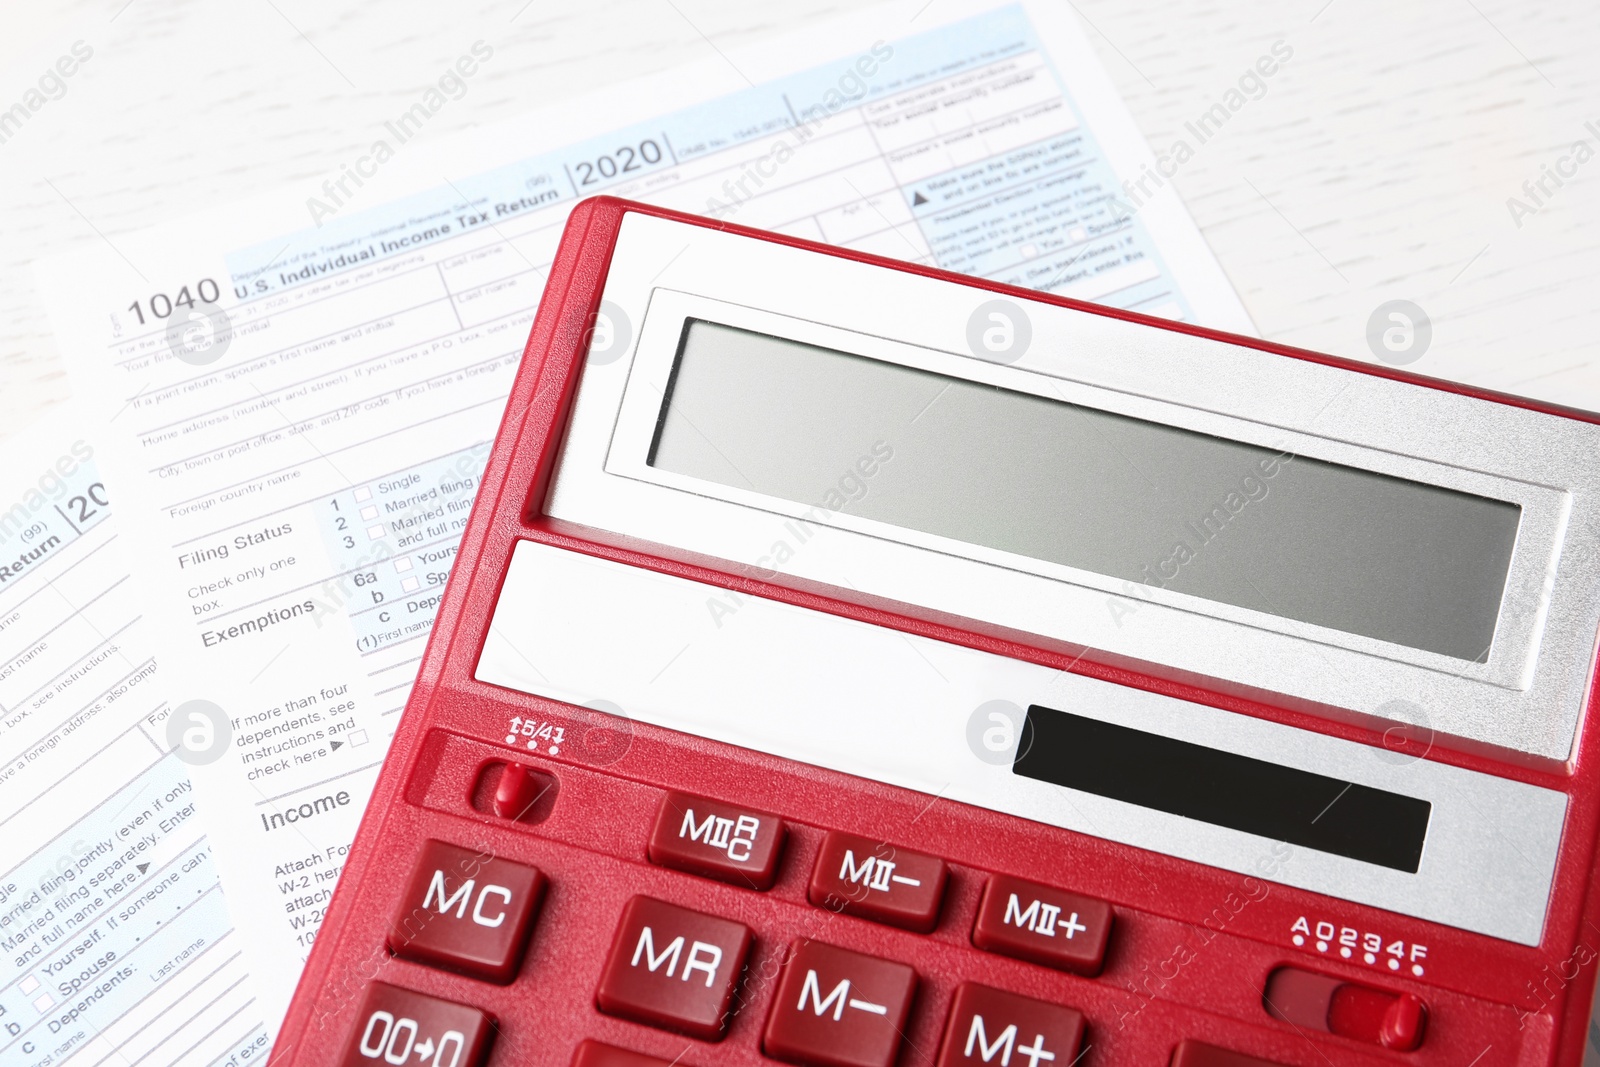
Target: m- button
1043, 924
467, 911
878, 881
991, 1026
837, 1008
717, 840
674, 968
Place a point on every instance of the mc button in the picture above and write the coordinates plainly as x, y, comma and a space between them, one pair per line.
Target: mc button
674, 968
1043, 924
837, 1008
717, 840
467, 911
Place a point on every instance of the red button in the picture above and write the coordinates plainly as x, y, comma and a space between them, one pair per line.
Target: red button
467, 911
837, 1008
594, 1054
1198, 1054
718, 840
878, 881
1043, 925
399, 1026
673, 967
990, 1024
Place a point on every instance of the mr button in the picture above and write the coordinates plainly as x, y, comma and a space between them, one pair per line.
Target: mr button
717, 840
1042, 924
837, 1008
988, 1025
466, 911
398, 1026
673, 967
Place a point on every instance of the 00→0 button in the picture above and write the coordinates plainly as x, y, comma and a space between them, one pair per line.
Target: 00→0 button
1043, 924
397, 1026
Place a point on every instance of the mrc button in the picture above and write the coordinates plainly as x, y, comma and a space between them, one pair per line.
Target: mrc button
1042, 924
398, 1026
878, 881
990, 1025
837, 1008
466, 911
717, 840
674, 968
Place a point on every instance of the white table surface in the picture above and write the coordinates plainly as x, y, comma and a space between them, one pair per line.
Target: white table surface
1377, 166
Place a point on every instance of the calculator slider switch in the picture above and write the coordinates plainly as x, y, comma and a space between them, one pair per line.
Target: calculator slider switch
1313, 1001
518, 790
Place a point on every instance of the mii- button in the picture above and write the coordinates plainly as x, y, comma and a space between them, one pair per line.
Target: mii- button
1043, 924
878, 881
466, 911
717, 840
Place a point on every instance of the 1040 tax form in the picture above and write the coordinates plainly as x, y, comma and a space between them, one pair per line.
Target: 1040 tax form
297, 397
116, 945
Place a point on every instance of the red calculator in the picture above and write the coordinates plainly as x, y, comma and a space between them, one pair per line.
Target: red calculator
853, 664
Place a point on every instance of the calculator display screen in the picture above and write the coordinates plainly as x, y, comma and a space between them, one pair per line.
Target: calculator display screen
1162, 507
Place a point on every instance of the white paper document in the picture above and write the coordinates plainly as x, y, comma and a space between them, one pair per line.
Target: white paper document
115, 944
296, 481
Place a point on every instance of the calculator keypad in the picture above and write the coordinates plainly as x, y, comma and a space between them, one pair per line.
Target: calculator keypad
805, 998
717, 840
398, 1026
878, 881
838, 1008
1043, 924
674, 968
466, 911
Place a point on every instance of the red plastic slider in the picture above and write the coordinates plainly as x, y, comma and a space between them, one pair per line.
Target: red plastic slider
1316, 1001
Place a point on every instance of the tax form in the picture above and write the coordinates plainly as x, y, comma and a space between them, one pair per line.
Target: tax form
115, 943
298, 396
